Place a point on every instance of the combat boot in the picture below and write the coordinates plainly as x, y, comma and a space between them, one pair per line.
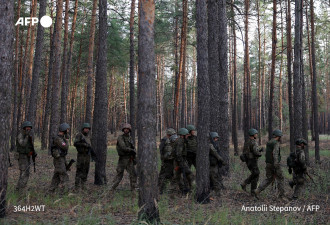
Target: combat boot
243, 185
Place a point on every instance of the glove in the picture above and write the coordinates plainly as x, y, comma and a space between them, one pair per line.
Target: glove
290, 170
16, 155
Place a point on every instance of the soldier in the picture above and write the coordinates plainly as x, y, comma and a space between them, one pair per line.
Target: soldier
166, 171
252, 153
127, 153
82, 143
23, 154
180, 163
273, 165
299, 167
191, 144
59, 151
216, 162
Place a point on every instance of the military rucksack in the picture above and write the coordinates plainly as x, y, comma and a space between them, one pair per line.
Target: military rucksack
291, 160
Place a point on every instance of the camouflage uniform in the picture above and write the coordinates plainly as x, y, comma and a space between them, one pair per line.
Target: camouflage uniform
252, 153
181, 165
191, 144
60, 148
298, 172
125, 149
166, 171
273, 167
24, 152
215, 177
82, 142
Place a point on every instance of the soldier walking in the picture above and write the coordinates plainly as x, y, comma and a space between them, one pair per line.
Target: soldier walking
252, 153
191, 144
273, 165
24, 151
299, 167
59, 150
82, 143
180, 163
166, 156
126, 152
216, 162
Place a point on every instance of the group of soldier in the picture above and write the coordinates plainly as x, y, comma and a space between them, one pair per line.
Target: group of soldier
178, 155
296, 161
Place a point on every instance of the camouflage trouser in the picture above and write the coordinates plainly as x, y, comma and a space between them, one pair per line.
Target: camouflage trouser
125, 163
191, 159
215, 179
299, 181
273, 172
254, 177
165, 174
60, 176
83, 161
24, 162
185, 183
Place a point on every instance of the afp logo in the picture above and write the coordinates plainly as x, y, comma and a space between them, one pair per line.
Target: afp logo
45, 21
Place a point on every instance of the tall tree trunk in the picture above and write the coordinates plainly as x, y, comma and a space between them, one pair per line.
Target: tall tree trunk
297, 73
272, 74
280, 77
131, 72
176, 88
203, 93
259, 73
64, 75
289, 62
234, 108
31, 115
100, 120
88, 114
15, 81
146, 123
314, 88
6, 68
55, 116
223, 93
213, 62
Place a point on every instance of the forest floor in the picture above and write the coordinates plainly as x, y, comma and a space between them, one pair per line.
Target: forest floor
93, 206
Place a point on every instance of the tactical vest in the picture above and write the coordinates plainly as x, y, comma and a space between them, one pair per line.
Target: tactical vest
24, 149
269, 151
128, 144
191, 142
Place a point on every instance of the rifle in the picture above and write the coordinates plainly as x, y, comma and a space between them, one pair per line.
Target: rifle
34, 154
67, 167
90, 151
310, 177
133, 156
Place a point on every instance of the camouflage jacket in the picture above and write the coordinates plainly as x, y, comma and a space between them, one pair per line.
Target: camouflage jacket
82, 143
179, 148
191, 144
273, 152
251, 149
125, 145
24, 143
167, 153
300, 160
214, 156
60, 146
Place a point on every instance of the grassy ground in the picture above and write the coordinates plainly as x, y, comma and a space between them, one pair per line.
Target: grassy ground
94, 206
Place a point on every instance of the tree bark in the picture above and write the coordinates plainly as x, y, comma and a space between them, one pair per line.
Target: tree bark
272, 74
6, 68
203, 93
259, 126
88, 113
100, 120
31, 115
132, 72
146, 122
55, 116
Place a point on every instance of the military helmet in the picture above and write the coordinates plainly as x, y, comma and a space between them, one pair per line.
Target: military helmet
86, 125
170, 131
277, 133
63, 127
26, 124
126, 126
191, 127
173, 137
183, 131
300, 141
214, 135
252, 132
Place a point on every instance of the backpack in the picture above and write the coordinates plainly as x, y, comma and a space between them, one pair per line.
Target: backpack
291, 160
